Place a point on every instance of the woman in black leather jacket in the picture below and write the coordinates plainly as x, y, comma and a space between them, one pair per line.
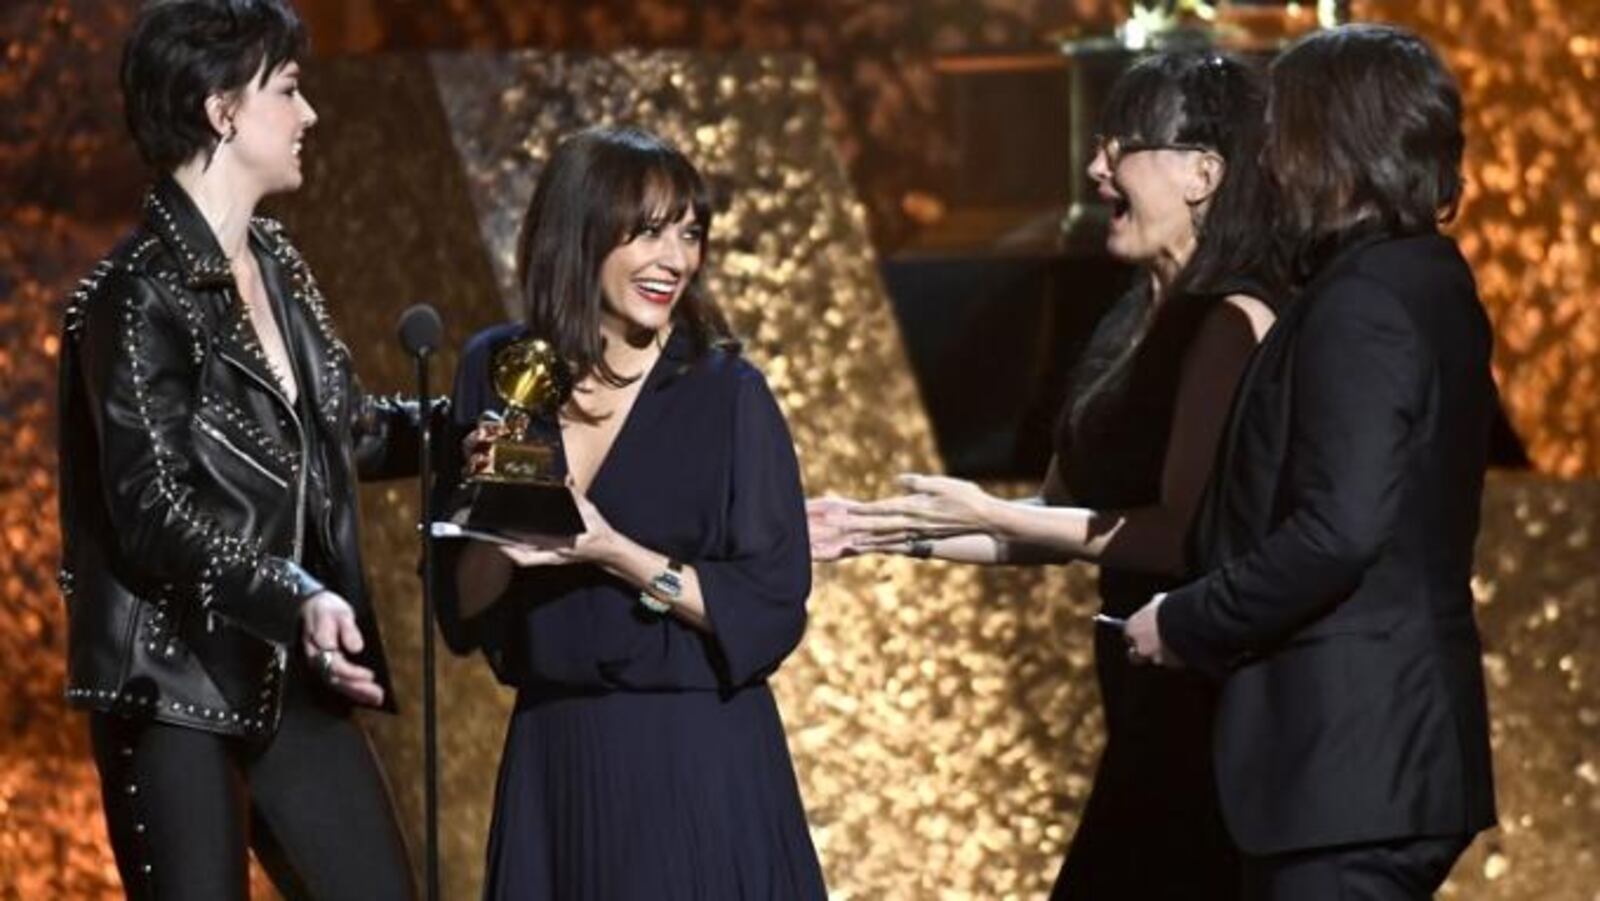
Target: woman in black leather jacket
211, 434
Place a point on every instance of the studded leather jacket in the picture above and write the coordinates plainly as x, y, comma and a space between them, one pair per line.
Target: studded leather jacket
194, 495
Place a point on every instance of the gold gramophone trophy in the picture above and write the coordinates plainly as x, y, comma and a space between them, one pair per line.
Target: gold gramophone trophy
524, 489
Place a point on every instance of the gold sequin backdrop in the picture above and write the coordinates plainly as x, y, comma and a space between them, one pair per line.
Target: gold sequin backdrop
942, 718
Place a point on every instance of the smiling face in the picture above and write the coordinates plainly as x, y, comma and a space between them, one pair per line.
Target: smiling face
643, 278
269, 123
1153, 195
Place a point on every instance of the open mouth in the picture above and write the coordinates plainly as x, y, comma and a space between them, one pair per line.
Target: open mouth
1117, 203
655, 290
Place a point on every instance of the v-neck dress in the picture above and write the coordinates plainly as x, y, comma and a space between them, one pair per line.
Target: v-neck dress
646, 759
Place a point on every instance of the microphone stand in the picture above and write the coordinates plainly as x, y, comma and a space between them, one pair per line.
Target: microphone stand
430, 705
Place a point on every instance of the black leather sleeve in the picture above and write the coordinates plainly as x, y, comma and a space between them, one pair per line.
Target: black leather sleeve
1359, 391
140, 379
385, 437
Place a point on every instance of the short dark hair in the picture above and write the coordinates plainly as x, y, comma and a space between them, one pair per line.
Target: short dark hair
603, 187
182, 51
1365, 124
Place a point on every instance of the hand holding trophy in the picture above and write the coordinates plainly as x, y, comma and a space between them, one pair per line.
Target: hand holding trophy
522, 486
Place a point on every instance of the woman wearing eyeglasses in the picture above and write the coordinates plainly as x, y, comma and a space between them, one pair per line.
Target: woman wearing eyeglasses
1134, 447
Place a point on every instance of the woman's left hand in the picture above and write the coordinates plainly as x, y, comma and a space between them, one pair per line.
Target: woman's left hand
592, 545
937, 506
598, 539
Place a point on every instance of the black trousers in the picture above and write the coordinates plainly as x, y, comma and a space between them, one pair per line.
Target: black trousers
1404, 870
1152, 829
184, 806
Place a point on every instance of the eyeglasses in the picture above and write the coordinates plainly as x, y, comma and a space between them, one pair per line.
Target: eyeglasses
1116, 148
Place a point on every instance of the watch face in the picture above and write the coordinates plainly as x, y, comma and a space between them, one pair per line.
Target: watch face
668, 584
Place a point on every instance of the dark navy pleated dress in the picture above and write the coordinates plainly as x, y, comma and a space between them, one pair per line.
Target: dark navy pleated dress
646, 759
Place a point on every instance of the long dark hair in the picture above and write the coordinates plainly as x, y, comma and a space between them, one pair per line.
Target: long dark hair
602, 188
1209, 100
1366, 133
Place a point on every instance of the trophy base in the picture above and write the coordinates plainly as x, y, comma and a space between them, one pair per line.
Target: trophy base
523, 508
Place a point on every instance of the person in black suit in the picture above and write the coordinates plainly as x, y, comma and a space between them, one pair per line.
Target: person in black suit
1351, 741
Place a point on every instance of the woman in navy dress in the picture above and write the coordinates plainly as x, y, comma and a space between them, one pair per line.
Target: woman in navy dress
646, 757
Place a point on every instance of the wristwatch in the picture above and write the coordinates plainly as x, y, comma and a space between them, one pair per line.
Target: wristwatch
663, 589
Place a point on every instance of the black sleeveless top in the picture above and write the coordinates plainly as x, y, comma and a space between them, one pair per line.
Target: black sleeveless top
1112, 451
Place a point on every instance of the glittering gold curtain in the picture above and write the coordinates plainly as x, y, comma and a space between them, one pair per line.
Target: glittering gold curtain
873, 56
1527, 68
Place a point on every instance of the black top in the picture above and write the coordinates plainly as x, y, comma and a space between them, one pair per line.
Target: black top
1114, 457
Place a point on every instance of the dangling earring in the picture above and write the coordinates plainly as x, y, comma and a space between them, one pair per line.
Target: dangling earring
211, 150
1197, 221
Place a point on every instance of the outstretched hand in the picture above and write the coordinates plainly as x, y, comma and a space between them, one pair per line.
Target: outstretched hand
829, 524
936, 506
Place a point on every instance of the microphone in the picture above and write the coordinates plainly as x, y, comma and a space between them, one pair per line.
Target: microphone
421, 332
420, 329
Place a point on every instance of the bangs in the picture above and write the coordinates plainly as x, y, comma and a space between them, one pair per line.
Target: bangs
282, 46
1145, 104
280, 38
666, 190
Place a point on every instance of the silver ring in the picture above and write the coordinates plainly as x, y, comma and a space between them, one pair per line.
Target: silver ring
325, 664
920, 548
